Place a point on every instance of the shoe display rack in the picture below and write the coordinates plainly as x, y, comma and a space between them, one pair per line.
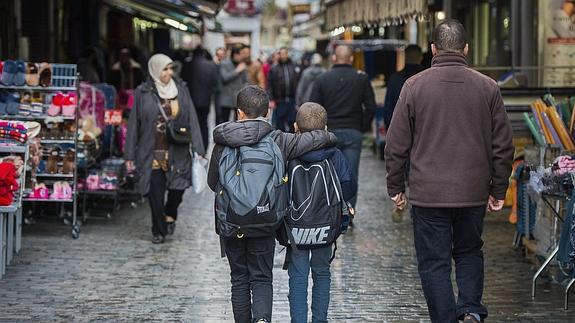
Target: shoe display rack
50, 98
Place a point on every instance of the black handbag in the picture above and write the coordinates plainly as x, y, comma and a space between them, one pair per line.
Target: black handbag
177, 132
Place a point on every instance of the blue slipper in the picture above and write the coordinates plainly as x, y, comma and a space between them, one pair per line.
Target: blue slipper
20, 77
8, 72
12, 103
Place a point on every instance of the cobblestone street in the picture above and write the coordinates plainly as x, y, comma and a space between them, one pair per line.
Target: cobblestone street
114, 273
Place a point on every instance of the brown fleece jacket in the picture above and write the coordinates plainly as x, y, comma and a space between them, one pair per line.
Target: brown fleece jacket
451, 124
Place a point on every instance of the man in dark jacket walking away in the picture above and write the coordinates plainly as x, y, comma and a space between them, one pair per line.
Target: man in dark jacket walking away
347, 96
307, 81
413, 58
451, 124
251, 258
201, 75
282, 88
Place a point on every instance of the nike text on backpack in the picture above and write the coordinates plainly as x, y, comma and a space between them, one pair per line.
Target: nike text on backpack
251, 196
317, 213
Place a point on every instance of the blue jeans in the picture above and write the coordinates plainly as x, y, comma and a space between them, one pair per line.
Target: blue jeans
298, 271
441, 234
284, 115
349, 141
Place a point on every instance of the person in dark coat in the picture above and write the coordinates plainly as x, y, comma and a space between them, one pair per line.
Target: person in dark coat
413, 57
282, 86
161, 166
201, 75
126, 74
452, 126
347, 96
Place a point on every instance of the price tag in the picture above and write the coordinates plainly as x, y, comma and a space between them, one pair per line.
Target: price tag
113, 117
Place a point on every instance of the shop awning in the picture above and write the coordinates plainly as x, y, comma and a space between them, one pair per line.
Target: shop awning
349, 12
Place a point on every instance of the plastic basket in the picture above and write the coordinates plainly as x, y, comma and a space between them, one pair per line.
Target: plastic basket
64, 75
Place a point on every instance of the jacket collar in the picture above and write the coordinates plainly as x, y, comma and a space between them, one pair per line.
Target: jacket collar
449, 59
341, 65
241, 133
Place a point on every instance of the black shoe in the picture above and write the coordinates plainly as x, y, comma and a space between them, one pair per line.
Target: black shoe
157, 239
170, 228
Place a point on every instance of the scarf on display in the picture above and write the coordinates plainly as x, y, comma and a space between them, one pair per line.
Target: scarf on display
155, 66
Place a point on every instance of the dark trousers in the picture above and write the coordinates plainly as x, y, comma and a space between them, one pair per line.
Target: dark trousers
202, 113
158, 204
285, 114
251, 261
441, 234
349, 141
225, 114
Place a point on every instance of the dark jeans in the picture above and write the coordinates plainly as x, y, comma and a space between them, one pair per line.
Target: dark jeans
251, 261
202, 113
225, 114
158, 204
441, 234
285, 115
349, 141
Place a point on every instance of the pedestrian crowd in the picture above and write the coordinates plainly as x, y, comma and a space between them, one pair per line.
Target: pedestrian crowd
285, 164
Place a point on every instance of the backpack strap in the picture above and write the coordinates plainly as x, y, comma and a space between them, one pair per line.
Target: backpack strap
286, 259
334, 250
292, 244
222, 247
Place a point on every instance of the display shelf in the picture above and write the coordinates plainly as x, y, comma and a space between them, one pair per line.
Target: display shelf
10, 149
57, 175
30, 199
8, 208
99, 192
42, 117
37, 88
58, 141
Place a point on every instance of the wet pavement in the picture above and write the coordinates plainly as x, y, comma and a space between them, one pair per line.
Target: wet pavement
114, 273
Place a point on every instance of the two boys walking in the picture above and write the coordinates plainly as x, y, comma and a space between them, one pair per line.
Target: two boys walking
250, 158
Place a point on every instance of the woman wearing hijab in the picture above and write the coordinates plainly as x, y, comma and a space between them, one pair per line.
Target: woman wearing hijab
162, 164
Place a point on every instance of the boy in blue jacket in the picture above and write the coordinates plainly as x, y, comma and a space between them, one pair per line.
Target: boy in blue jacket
312, 116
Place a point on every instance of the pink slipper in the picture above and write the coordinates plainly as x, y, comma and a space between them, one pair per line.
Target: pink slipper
66, 191
56, 105
57, 192
69, 104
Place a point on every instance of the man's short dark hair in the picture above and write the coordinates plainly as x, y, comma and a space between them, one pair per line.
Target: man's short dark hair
253, 101
450, 36
311, 116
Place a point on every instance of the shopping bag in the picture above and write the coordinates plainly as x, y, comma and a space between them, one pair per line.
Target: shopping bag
199, 173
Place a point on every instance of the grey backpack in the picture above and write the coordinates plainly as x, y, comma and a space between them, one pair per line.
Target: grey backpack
251, 197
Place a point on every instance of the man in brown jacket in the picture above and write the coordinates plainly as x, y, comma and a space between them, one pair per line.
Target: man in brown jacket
450, 123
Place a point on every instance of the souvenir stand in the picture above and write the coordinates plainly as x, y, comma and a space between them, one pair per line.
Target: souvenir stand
11, 152
47, 94
545, 196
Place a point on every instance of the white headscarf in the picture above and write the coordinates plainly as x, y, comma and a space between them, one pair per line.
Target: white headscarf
155, 66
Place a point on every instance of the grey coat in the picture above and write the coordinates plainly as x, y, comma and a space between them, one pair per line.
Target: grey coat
305, 85
141, 138
231, 83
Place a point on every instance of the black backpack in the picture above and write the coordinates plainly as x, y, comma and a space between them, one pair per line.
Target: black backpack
317, 213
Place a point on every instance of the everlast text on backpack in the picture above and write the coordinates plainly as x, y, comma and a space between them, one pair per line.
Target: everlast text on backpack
317, 213
251, 197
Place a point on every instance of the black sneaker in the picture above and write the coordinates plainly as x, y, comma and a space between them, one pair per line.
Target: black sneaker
157, 239
170, 228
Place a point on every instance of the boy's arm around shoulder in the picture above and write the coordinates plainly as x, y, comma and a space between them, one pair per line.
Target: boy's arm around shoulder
214, 170
295, 145
347, 179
